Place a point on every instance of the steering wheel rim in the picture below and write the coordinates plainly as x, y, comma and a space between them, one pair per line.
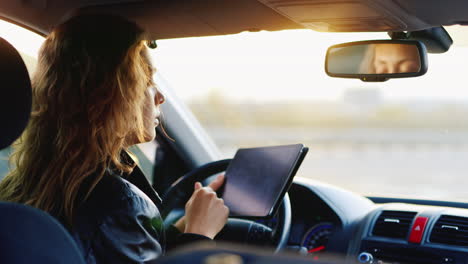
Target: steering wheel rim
181, 190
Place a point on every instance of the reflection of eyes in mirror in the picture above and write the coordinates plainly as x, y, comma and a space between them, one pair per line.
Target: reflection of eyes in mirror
390, 58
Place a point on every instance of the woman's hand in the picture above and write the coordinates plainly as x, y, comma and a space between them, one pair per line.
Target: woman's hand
180, 224
205, 213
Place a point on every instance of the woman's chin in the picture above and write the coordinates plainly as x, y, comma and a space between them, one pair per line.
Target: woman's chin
149, 136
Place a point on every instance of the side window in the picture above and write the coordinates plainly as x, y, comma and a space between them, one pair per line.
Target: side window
27, 43
146, 153
4, 154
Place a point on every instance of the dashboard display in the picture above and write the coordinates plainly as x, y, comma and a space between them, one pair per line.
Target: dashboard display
316, 238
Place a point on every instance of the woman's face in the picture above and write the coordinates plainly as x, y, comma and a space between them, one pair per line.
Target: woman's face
153, 99
396, 59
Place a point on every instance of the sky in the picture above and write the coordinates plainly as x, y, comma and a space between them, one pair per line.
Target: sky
284, 65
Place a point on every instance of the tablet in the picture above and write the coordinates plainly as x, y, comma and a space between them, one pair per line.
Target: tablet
257, 179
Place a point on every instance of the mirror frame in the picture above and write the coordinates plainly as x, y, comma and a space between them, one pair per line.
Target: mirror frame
381, 77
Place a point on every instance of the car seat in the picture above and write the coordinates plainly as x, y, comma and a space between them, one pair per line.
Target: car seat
27, 235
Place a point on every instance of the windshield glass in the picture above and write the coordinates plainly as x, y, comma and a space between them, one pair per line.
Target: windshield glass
400, 138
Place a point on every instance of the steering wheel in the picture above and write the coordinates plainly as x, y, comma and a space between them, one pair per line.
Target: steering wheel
236, 230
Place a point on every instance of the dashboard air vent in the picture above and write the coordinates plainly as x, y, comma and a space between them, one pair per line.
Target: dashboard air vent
393, 224
451, 230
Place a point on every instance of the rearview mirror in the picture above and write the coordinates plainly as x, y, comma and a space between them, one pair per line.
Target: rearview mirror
377, 60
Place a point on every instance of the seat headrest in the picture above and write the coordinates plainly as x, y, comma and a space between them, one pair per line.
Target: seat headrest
15, 94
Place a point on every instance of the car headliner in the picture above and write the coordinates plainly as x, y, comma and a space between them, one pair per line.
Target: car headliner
182, 18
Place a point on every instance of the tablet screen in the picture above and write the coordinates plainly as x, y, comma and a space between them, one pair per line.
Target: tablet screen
256, 179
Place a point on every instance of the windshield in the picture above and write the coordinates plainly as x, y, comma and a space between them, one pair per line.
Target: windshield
401, 138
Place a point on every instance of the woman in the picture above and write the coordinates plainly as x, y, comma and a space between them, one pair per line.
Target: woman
93, 97
390, 58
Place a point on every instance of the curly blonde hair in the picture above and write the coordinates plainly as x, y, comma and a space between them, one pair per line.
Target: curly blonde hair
88, 92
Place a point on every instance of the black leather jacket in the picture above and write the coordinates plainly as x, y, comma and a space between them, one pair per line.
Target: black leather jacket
119, 223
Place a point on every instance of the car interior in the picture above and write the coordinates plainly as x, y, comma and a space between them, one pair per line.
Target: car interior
415, 211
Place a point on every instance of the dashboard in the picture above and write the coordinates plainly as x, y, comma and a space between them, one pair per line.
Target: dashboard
328, 221
313, 221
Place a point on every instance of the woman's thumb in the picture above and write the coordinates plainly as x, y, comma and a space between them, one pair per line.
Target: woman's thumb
198, 186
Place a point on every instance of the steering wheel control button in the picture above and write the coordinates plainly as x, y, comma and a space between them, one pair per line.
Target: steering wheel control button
365, 257
417, 231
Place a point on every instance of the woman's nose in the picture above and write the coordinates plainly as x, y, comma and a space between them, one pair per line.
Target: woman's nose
159, 98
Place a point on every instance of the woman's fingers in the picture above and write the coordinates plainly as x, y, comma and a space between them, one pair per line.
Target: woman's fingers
213, 186
205, 213
217, 183
196, 187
